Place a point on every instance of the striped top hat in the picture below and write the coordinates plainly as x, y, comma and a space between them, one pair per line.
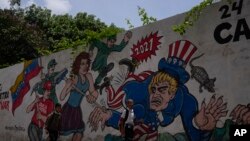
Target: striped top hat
179, 55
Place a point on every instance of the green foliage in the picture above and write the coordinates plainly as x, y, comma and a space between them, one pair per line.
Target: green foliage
105, 32
64, 31
192, 16
33, 32
145, 19
144, 16
130, 25
18, 38
15, 2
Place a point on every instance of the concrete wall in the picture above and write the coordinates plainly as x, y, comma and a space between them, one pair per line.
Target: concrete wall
204, 105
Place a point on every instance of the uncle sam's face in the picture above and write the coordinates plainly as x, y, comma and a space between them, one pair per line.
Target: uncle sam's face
160, 96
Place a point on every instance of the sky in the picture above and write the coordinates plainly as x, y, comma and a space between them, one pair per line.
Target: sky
114, 11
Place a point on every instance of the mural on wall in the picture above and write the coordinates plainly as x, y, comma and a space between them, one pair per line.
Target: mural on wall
200, 75
55, 77
42, 107
146, 47
103, 50
164, 91
22, 84
4, 99
80, 85
184, 88
241, 28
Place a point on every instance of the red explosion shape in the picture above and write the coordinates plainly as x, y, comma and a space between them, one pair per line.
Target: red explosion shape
145, 48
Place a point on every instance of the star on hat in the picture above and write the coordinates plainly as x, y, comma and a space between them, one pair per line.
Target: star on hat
179, 55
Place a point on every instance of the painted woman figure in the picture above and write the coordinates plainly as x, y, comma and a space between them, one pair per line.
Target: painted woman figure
77, 87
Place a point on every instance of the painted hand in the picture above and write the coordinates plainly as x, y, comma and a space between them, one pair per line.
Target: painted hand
208, 115
127, 36
98, 115
241, 114
91, 98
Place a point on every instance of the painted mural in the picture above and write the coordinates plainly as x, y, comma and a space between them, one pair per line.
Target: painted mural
164, 92
185, 88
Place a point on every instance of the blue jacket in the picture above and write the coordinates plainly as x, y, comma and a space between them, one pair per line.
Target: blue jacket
183, 104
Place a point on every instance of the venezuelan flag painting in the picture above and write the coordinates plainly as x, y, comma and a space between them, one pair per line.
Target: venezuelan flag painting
22, 86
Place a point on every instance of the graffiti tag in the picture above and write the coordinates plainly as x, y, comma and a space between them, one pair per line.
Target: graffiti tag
15, 128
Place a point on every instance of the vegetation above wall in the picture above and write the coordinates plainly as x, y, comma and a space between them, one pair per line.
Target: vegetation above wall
193, 15
145, 18
31, 32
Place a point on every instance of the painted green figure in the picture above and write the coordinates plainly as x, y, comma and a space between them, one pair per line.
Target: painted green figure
52, 76
103, 50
